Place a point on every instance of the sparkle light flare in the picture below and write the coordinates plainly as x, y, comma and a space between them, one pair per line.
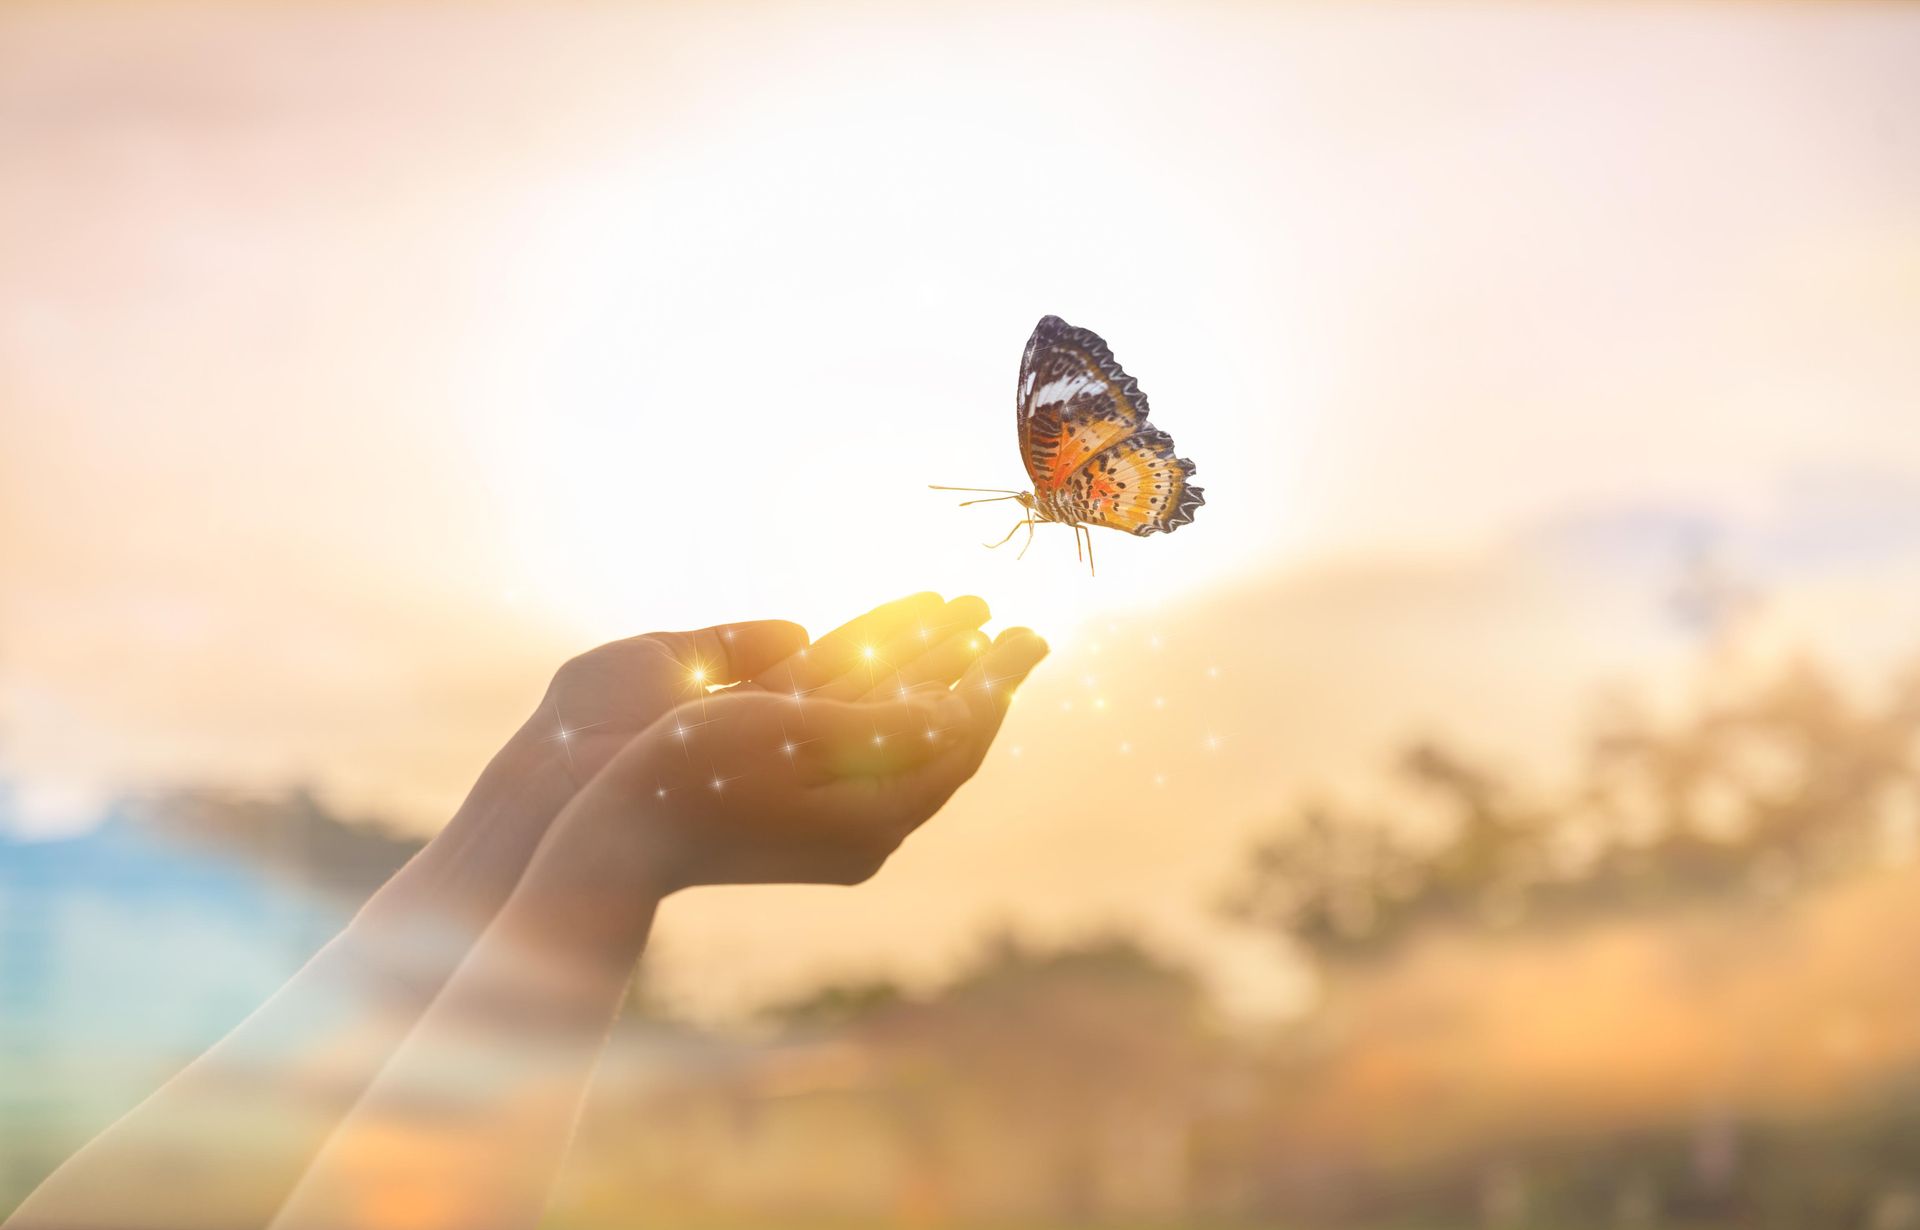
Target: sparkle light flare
564, 733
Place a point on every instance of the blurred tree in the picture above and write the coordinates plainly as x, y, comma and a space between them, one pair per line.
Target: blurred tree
1766, 788
834, 1005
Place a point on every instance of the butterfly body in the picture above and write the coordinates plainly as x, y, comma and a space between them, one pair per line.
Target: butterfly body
1094, 458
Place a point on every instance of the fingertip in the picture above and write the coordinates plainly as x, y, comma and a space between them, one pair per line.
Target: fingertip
757, 644
1015, 653
793, 635
968, 611
1025, 640
884, 619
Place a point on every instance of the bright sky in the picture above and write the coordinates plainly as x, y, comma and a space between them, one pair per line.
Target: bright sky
359, 364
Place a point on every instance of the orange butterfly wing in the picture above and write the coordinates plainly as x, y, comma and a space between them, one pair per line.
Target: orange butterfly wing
1074, 401
1136, 485
1086, 441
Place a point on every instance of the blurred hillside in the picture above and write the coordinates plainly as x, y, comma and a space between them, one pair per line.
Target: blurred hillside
1662, 984
1672, 992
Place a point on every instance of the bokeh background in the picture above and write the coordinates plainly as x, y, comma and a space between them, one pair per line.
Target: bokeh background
1499, 807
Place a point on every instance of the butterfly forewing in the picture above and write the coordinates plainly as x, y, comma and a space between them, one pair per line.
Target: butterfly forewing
1074, 401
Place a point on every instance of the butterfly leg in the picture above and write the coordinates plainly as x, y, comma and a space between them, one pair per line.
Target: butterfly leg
1029, 541
1088, 531
1009, 538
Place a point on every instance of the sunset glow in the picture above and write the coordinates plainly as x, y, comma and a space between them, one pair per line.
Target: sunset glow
352, 385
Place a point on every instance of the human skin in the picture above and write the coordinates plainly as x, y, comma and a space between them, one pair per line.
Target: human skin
426, 1066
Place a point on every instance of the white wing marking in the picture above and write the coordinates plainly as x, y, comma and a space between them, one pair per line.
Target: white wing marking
1065, 389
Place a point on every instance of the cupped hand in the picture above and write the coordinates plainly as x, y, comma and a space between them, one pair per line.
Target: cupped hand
599, 701
819, 780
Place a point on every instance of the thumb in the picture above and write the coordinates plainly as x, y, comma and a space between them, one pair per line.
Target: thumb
990, 683
728, 653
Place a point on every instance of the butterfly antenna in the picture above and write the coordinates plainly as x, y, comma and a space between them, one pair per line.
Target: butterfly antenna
982, 490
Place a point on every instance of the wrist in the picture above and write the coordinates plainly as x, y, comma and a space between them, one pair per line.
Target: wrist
606, 835
592, 889
472, 864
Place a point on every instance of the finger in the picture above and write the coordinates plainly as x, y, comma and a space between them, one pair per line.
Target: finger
941, 665
728, 653
986, 689
989, 684
891, 666
808, 668
879, 738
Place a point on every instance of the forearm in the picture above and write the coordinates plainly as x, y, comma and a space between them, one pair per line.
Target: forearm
251, 1113
475, 1055
479, 1102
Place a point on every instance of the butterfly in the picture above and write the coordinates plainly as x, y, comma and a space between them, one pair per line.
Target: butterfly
1092, 455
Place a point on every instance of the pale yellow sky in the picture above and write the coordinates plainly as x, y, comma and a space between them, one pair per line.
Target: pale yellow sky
359, 364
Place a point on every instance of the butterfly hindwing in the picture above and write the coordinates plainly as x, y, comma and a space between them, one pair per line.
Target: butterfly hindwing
1136, 485
1074, 401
